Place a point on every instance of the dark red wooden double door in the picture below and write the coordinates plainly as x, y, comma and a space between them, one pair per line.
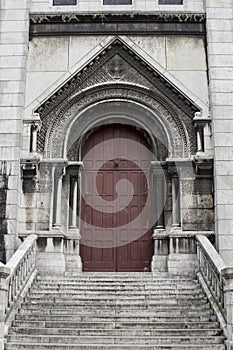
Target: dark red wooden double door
115, 207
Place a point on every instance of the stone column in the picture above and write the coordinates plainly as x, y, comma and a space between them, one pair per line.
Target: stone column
72, 251
175, 201
200, 138
203, 135
34, 130
4, 273
159, 198
57, 196
159, 259
74, 202
227, 274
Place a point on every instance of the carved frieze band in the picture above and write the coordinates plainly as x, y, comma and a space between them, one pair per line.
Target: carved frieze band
123, 17
109, 23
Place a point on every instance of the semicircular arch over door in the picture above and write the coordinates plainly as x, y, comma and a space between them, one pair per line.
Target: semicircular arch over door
116, 206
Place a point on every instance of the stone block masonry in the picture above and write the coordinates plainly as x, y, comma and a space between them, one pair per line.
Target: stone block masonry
14, 26
220, 60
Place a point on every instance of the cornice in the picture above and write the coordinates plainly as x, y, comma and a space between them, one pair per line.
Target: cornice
48, 24
180, 17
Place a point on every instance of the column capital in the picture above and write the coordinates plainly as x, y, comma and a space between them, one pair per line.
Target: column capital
33, 118
75, 168
36, 126
200, 121
60, 169
158, 168
172, 170
227, 273
4, 272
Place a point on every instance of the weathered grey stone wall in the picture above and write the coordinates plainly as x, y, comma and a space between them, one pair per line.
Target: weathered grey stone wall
220, 59
14, 46
96, 5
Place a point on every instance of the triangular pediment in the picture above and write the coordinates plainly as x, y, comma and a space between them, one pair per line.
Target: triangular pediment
118, 63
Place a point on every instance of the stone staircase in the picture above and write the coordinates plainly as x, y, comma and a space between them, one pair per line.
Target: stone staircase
115, 311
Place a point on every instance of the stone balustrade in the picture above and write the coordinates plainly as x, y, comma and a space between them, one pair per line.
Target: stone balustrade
15, 279
216, 279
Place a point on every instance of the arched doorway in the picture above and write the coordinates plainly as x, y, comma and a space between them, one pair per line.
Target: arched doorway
115, 206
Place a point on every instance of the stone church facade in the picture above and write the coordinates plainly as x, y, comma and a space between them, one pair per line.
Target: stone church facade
77, 73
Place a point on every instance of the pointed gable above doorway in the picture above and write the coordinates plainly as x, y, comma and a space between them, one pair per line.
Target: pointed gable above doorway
118, 62
118, 72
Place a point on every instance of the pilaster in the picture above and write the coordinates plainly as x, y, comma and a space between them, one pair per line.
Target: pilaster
219, 18
14, 16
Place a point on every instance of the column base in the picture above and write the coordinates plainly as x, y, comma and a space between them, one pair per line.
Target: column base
159, 259
160, 227
73, 233
159, 263
182, 264
50, 263
73, 264
72, 257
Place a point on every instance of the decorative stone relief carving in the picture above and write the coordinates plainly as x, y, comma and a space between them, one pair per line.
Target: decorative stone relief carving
129, 78
77, 17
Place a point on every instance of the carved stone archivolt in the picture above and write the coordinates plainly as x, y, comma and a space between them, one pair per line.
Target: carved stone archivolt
117, 74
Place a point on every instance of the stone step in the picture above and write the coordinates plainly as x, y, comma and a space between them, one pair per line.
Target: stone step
103, 287
116, 340
133, 306
109, 281
120, 275
117, 332
117, 293
116, 296
107, 285
116, 287
117, 307
55, 346
116, 302
108, 325
124, 280
121, 313
156, 318
115, 311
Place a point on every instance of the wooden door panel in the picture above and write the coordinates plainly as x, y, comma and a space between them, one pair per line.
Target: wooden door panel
109, 243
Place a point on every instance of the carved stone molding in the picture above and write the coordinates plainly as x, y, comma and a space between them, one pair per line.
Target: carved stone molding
55, 129
118, 73
154, 79
123, 17
117, 23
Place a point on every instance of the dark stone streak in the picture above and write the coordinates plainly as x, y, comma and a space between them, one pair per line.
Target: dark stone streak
3, 222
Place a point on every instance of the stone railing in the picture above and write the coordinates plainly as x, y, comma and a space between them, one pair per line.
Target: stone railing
217, 281
210, 265
15, 279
